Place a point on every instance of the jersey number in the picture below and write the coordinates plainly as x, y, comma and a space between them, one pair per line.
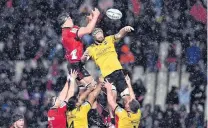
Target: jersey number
74, 54
71, 125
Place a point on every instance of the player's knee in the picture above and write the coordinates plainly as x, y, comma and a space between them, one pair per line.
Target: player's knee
87, 81
87, 39
92, 83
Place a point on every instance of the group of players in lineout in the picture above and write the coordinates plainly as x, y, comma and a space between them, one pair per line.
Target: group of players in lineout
70, 107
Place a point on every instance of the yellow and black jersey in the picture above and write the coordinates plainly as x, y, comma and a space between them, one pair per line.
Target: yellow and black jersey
77, 118
126, 119
105, 56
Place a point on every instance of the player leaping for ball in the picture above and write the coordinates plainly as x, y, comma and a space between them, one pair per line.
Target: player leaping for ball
104, 54
71, 35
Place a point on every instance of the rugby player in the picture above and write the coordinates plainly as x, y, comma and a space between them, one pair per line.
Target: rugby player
57, 111
78, 108
130, 116
71, 40
104, 54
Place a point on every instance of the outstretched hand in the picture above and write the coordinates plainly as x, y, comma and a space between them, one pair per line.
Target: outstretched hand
108, 85
128, 28
95, 12
73, 75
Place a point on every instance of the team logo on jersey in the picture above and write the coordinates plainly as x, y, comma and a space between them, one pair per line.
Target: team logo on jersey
134, 122
105, 42
119, 109
74, 30
62, 104
51, 118
85, 103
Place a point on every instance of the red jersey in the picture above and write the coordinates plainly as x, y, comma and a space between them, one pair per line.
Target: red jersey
73, 46
57, 117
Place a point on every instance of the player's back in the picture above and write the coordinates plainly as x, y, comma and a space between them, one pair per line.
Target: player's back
57, 117
126, 119
72, 44
77, 118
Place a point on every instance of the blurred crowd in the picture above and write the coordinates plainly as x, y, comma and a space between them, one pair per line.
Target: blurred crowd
29, 33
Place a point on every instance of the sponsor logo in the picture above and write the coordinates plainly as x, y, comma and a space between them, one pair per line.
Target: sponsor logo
104, 51
51, 118
134, 122
74, 30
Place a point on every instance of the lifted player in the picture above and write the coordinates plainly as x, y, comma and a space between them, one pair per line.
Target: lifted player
104, 54
71, 35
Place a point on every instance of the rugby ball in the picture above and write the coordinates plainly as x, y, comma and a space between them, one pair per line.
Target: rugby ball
114, 14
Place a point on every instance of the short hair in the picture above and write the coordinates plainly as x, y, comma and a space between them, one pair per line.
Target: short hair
62, 18
71, 104
134, 105
96, 30
16, 117
52, 101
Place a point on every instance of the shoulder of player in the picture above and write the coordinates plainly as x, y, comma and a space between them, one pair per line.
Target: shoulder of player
63, 104
70, 30
86, 103
119, 109
139, 111
110, 37
91, 47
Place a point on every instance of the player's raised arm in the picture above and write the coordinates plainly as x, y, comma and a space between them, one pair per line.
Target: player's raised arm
123, 32
110, 99
73, 85
93, 95
84, 95
90, 26
62, 95
131, 91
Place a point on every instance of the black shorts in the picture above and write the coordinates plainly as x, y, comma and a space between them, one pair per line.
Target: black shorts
79, 67
118, 79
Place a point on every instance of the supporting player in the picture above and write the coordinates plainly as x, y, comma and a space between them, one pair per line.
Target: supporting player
71, 39
78, 108
57, 111
104, 54
130, 116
